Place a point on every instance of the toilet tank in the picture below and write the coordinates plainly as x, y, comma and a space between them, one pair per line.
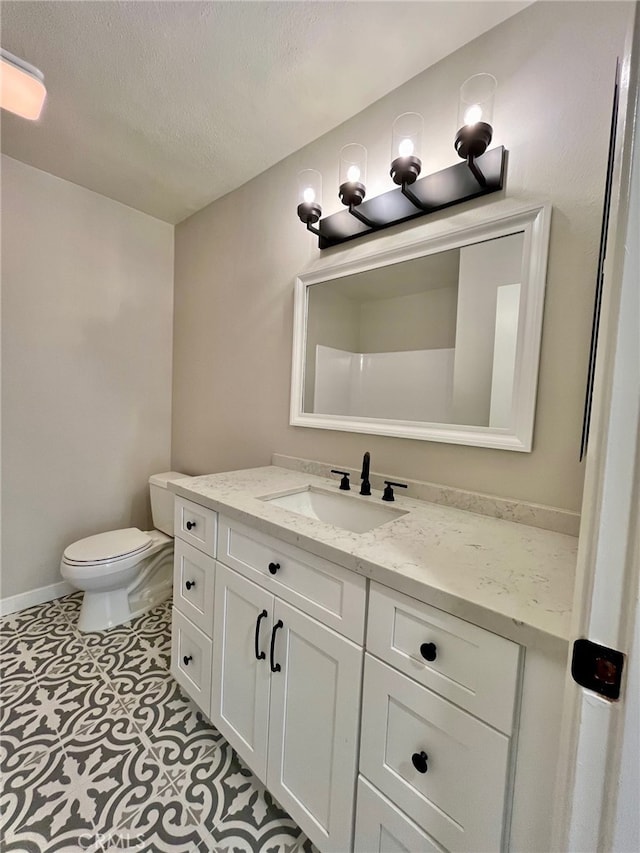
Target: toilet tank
162, 500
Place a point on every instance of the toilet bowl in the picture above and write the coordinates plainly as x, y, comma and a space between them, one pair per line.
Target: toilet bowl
124, 572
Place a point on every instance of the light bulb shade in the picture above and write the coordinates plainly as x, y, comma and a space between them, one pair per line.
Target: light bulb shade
475, 115
22, 89
353, 174
406, 146
309, 196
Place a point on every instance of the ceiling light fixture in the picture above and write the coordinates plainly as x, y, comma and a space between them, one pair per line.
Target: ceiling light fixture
22, 89
482, 173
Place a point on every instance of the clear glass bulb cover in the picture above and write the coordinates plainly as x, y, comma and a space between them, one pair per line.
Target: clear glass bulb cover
353, 164
406, 136
477, 96
310, 187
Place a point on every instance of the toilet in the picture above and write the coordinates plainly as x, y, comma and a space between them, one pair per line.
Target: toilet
125, 572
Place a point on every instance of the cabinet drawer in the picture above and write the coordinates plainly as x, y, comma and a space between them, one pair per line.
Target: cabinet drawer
191, 660
195, 524
382, 828
330, 593
457, 791
473, 668
193, 585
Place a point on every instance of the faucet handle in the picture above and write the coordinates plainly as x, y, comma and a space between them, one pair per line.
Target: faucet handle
344, 482
388, 491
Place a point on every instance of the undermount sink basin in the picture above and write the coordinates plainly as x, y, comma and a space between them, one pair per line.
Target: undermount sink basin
346, 511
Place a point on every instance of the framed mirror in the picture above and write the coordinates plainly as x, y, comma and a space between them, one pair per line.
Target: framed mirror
437, 339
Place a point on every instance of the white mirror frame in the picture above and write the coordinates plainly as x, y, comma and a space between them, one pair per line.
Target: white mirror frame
534, 221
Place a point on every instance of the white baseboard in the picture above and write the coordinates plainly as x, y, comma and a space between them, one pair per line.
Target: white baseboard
13, 603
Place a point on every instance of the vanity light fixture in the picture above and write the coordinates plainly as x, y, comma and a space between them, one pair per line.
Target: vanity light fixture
353, 177
406, 143
310, 198
482, 173
22, 89
475, 114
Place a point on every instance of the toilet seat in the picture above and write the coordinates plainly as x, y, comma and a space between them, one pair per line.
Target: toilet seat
105, 548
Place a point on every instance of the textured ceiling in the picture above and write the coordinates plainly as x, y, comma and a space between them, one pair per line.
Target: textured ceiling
166, 106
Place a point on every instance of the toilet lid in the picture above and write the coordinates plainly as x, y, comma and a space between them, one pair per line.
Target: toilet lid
108, 546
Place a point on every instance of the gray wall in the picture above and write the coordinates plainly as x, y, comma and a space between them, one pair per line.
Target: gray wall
236, 261
87, 303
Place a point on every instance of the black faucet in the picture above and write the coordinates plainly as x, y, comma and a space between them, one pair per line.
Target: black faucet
365, 488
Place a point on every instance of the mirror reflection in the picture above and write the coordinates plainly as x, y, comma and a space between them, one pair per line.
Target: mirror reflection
431, 339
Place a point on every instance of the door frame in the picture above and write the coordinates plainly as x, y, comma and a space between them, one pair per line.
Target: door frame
593, 786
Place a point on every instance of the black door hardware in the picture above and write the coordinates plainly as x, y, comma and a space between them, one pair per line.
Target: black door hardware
190, 584
190, 525
273, 568
344, 482
259, 655
597, 668
387, 495
419, 761
428, 651
275, 667
365, 488
186, 659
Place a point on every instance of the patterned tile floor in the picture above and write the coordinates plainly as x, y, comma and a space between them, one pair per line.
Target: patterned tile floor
100, 751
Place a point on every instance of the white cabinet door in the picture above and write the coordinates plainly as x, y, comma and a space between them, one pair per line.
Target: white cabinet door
241, 674
471, 667
327, 592
193, 577
195, 524
314, 718
382, 828
444, 768
191, 660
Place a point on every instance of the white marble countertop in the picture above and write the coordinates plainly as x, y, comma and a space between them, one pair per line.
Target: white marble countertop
510, 578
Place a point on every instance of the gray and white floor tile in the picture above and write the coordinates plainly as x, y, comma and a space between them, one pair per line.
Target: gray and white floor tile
101, 751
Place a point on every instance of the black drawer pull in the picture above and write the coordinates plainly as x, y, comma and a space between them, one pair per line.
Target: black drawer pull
186, 659
429, 651
190, 525
419, 760
273, 567
275, 667
259, 655
190, 584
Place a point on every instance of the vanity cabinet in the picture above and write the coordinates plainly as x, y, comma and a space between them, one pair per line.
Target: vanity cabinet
430, 733
424, 759
195, 530
286, 686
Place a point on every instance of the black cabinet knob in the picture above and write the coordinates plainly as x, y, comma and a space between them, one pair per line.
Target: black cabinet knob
190, 525
419, 760
429, 651
273, 567
186, 659
190, 584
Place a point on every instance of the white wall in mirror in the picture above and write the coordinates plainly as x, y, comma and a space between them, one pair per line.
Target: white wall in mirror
436, 339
